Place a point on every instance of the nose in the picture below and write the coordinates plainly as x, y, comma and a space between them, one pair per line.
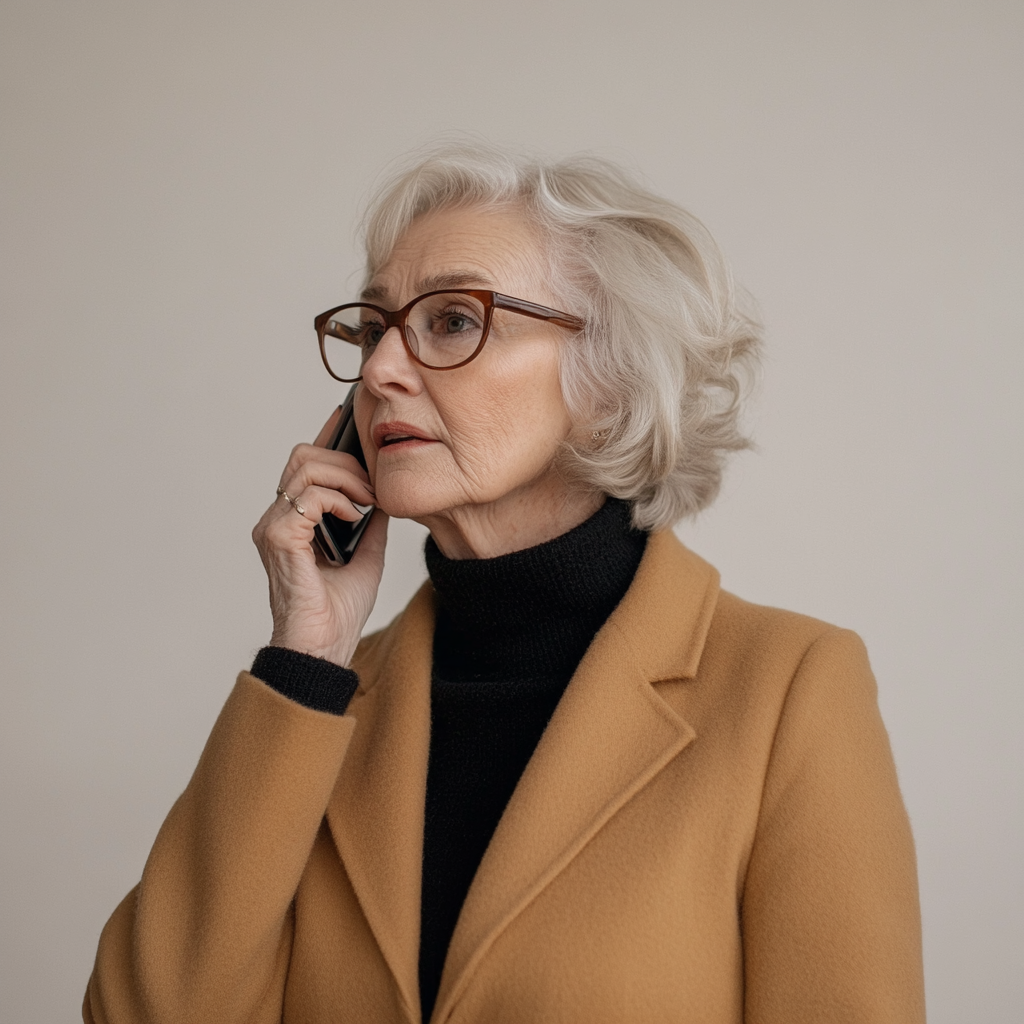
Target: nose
389, 370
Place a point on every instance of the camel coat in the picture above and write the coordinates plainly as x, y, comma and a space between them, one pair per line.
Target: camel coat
709, 832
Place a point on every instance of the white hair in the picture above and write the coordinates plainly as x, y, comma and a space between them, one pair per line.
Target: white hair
659, 371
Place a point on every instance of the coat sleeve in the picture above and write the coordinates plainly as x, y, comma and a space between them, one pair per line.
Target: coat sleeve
206, 935
830, 913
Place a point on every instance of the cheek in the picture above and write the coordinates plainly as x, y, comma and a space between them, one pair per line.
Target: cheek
515, 419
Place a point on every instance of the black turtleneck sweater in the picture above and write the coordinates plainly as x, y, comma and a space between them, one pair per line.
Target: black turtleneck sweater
510, 632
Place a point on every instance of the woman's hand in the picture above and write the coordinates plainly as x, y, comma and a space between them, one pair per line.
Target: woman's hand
319, 608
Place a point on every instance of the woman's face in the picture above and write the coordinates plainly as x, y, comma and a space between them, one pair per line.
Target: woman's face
469, 452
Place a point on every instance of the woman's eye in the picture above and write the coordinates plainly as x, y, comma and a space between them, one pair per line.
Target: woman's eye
371, 334
456, 323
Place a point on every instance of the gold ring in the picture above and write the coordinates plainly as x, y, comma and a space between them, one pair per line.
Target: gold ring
294, 502
282, 493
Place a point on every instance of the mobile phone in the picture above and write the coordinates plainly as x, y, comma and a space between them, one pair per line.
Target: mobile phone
338, 538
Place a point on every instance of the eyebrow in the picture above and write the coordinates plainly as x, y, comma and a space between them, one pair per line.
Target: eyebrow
433, 283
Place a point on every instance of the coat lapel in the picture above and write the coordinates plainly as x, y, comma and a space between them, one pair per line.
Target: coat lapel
610, 735
376, 810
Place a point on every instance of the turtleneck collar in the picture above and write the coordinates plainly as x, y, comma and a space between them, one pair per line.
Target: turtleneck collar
530, 615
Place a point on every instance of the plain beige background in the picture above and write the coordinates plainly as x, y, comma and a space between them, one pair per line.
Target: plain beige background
180, 183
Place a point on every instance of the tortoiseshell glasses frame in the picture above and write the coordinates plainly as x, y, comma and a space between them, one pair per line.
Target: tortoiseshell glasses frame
326, 325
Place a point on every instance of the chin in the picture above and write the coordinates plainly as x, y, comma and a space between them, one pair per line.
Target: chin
405, 498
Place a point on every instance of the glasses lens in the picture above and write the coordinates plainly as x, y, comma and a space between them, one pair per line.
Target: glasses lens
350, 337
445, 329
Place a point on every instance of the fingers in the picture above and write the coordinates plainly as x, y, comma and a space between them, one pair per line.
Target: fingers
318, 607
311, 503
337, 478
316, 481
288, 524
309, 465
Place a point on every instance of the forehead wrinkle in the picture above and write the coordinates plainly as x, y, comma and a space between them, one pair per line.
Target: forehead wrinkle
433, 283
453, 279
374, 293
470, 253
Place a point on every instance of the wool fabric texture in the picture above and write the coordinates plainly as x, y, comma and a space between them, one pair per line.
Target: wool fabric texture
510, 632
709, 830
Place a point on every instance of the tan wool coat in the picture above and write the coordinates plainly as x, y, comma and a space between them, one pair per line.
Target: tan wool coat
709, 832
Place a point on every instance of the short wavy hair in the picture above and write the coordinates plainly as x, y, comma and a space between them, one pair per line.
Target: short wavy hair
658, 375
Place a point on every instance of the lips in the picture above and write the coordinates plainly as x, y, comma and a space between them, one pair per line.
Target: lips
387, 435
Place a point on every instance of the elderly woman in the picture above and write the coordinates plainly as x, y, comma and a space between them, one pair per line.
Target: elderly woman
574, 781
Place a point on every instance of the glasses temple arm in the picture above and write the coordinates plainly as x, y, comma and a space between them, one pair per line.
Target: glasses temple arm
538, 312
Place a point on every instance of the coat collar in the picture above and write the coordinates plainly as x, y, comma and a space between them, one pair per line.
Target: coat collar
566, 792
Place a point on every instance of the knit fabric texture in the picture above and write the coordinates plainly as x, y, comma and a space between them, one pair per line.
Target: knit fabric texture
510, 632
313, 682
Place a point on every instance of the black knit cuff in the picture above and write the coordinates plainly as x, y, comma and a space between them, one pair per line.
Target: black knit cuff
312, 682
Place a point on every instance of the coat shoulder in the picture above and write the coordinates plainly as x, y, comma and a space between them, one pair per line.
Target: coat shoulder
746, 627
753, 653
705, 629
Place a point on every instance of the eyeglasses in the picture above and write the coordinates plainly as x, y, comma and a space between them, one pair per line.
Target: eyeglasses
440, 330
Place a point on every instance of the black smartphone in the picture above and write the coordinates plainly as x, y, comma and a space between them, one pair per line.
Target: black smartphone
338, 538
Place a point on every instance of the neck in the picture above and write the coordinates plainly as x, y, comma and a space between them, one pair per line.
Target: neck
518, 520
531, 614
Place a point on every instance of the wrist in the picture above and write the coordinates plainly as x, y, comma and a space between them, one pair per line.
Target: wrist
338, 653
